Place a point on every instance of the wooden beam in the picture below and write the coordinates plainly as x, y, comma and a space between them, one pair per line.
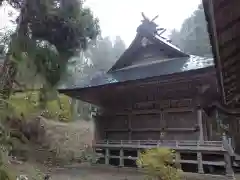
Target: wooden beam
182, 130
219, 4
209, 11
153, 111
227, 15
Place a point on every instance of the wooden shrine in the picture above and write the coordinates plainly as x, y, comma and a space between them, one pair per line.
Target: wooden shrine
157, 96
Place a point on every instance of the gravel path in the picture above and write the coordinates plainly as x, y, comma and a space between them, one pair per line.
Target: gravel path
96, 173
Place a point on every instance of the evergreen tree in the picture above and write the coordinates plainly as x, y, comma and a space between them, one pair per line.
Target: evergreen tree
193, 36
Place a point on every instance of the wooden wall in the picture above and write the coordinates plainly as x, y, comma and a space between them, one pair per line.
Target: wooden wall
176, 120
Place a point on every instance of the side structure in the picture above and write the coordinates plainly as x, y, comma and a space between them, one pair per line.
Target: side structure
157, 96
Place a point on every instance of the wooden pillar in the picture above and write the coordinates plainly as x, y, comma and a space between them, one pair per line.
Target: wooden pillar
178, 159
210, 131
228, 166
200, 124
138, 153
199, 101
200, 163
218, 121
121, 163
129, 127
206, 126
162, 122
107, 156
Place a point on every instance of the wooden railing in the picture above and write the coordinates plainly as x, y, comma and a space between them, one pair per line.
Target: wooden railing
167, 143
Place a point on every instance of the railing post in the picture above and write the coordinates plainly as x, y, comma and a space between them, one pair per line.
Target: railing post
228, 166
138, 153
200, 124
198, 143
178, 159
177, 144
121, 164
107, 157
200, 163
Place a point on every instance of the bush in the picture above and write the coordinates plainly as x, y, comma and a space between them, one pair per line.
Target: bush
24, 103
56, 113
159, 164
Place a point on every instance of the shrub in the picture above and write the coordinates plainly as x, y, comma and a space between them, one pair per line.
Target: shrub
25, 103
55, 112
159, 164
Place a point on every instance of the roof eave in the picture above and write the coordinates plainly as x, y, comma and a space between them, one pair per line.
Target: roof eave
185, 74
209, 15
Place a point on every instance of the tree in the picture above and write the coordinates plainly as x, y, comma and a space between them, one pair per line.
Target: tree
193, 36
100, 55
103, 53
118, 48
48, 34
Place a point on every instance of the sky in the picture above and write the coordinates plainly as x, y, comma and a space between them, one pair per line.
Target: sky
122, 17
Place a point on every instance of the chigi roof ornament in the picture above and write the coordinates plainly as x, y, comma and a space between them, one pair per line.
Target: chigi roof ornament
150, 27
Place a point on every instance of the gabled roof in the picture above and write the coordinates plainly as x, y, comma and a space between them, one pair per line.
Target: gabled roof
143, 38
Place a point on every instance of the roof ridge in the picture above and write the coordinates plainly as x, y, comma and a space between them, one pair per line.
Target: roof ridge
147, 63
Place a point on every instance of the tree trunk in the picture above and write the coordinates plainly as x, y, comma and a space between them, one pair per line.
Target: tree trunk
9, 69
74, 109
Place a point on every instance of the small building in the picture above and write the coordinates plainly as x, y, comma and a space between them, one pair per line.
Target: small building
155, 95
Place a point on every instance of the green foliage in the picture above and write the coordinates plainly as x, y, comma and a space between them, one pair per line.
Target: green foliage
4, 175
159, 163
24, 103
27, 104
56, 113
48, 34
5, 139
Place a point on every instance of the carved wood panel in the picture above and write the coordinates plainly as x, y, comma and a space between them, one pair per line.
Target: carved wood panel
99, 132
145, 136
149, 53
116, 122
117, 135
163, 104
180, 119
145, 121
180, 136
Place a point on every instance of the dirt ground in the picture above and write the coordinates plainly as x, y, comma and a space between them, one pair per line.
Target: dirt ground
69, 139
86, 172
95, 174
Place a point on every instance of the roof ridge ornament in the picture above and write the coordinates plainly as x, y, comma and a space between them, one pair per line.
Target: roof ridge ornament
150, 27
